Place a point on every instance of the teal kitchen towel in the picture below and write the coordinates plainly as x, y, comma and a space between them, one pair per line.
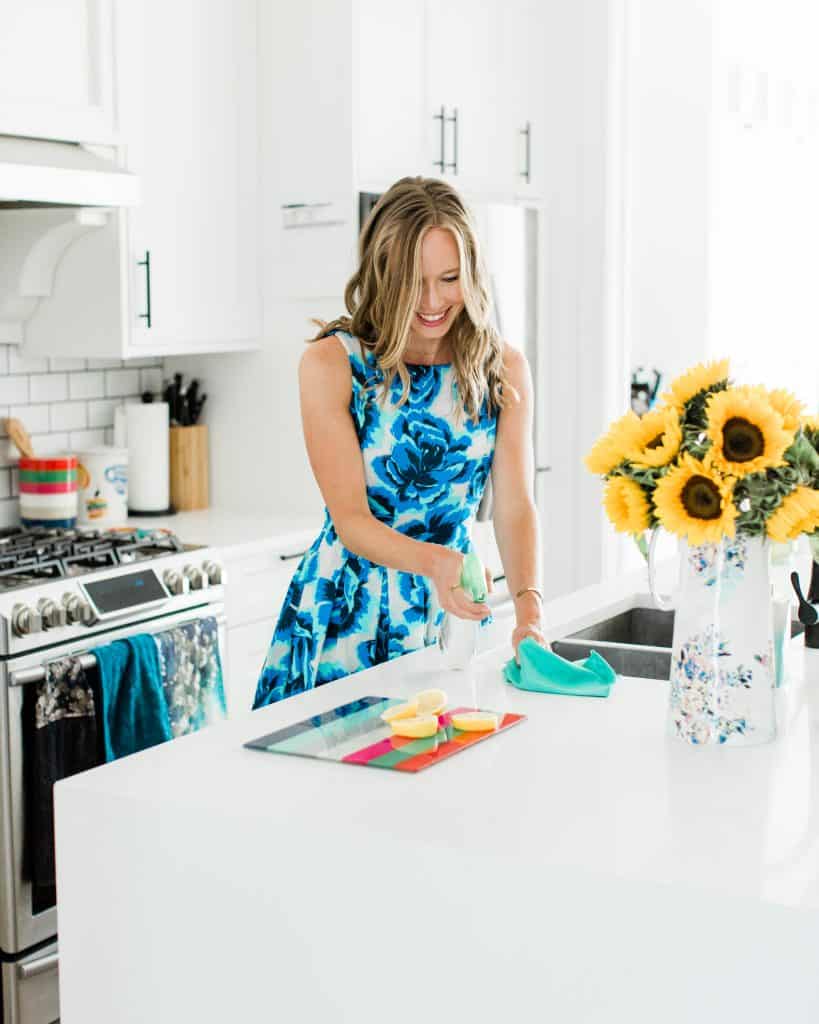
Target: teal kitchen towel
543, 671
134, 711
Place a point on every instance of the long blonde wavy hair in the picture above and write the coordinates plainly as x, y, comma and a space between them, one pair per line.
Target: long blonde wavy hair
382, 295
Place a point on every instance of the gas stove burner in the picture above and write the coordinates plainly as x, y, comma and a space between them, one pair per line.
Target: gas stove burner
42, 553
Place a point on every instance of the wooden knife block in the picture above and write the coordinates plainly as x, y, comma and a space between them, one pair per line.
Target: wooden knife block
189, 467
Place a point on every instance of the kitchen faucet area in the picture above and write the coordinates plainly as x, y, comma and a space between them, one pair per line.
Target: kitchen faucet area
409, 511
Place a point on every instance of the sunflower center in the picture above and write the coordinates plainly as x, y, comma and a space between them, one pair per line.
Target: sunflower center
701, 498
656, 443
741, 440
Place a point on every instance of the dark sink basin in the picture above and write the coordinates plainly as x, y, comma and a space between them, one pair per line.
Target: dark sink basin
636, 642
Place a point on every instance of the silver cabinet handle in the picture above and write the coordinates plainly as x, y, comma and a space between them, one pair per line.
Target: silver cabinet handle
32, 969
543, 469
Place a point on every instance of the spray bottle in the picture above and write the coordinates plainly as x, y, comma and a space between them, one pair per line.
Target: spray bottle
458, 638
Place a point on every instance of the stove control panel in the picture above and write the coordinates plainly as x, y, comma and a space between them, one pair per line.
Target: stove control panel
53, 612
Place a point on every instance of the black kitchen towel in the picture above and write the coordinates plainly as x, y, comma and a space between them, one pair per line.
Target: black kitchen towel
60, 738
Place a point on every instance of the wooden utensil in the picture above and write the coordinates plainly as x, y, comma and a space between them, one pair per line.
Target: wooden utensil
19, 436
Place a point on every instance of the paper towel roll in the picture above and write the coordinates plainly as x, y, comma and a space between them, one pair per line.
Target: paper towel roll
148, 456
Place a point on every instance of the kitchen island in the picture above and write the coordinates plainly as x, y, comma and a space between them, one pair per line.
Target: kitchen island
580, 867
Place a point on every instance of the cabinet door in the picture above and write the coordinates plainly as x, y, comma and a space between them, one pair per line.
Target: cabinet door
464, 75
521, 90
246, 650
55, 69
186, 74
390, 127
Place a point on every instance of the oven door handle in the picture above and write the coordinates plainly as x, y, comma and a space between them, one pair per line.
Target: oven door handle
25, 971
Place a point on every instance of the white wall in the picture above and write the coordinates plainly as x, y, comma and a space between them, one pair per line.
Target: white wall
765, 210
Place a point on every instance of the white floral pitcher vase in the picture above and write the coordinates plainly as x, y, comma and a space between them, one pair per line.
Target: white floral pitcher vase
722, 658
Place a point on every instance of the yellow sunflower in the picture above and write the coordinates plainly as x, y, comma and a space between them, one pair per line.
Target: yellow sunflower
610, 450
810, 423
746, 430
788, 406
658, 439
699, 378
694, 502
626, 505
798, 513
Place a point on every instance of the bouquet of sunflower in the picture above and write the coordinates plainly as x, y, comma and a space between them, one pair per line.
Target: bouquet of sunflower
713, 459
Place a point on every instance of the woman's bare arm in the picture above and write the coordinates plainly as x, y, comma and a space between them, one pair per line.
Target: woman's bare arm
325, 384
515, 515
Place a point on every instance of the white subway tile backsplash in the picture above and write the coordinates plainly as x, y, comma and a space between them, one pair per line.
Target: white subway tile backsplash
65, 404
49, 444
9, 513
79, 439
48, 387
103, 364
86, 385
151, 380
121, 382
66, 364
101, 412
18, 363
69, 415
33, 417
13, 389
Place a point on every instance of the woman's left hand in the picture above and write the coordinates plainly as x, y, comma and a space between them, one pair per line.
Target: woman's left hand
532, 629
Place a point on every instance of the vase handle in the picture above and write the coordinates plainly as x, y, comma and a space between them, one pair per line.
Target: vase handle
665, 604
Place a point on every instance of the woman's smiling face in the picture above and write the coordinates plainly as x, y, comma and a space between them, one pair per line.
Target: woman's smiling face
441, 299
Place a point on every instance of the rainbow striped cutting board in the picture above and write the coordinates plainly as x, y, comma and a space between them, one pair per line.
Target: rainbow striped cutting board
354, 734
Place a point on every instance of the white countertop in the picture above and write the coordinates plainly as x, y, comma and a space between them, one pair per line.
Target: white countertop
232, 531
582, 865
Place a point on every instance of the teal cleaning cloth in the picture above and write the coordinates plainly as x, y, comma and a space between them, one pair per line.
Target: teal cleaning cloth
543, 671
134, 712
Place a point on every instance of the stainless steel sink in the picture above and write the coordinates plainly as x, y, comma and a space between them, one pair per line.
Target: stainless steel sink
636, 642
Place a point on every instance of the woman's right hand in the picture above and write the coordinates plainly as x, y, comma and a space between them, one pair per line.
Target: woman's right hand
445, 573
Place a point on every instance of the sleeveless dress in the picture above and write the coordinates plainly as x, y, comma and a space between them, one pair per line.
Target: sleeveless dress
425, 474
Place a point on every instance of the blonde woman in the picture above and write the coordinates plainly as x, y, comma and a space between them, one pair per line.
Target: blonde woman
407, 404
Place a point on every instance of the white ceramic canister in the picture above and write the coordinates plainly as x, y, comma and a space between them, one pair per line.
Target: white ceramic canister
102, 478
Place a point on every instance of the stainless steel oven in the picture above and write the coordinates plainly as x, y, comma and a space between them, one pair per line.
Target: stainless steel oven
49, 616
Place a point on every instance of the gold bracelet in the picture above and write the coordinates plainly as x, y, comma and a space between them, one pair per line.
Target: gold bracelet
527, 590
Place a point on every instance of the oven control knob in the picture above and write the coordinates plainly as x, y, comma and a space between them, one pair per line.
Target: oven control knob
195, 577
25, 620
52, 614
77, 610
175, 581
214, 572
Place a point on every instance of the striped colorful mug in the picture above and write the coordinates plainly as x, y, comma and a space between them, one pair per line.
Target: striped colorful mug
48, 491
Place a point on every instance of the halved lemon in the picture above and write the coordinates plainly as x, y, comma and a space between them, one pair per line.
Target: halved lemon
430, 702
400, 711
417, 727
474, 721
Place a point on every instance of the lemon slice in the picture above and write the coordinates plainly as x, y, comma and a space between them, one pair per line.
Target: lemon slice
475, 721
430, 702
400, 711
417, 727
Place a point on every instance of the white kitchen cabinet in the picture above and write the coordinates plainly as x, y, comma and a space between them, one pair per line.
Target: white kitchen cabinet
56, 70
420, 62
246, 649
392, 117
180, 273
257, 583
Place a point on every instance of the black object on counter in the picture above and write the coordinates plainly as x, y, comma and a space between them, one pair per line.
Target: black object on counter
809, 607
184, 403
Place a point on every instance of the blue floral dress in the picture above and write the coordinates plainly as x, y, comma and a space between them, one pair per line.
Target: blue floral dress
425, 475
